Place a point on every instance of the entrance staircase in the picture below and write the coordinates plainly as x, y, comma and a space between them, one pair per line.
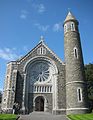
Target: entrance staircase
42, 116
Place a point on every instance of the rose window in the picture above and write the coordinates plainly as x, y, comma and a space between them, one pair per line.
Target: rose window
40, 71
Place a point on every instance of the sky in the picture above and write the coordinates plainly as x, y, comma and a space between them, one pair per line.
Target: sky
22, 22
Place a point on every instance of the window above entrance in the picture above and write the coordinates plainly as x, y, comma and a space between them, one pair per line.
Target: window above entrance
40, 72
41, 89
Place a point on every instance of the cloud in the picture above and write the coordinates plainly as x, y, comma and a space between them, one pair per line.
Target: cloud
25, 48
23, 14
8, 54
39, 7
58, 27
42, 27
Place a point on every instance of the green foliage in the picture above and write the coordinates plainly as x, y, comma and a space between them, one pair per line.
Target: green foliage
7, 117
81, 117
0, 96
89, 78
89, 71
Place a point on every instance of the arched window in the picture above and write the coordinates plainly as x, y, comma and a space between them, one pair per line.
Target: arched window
41, 51
76, 52
79, 94
72, 26
65, 28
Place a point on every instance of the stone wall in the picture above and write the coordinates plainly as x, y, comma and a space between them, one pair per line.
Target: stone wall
61, 92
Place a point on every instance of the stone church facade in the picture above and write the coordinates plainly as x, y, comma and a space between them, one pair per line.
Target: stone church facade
40, 81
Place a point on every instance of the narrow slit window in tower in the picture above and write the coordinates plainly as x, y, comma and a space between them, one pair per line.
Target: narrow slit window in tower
76, 52
79, 94
65, 28
72, 27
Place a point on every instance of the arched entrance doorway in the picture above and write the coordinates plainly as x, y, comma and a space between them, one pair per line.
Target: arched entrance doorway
39, 103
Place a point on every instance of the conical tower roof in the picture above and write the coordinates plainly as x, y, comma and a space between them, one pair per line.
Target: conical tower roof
70, 17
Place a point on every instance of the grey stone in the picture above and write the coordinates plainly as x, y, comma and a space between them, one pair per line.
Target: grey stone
42, 116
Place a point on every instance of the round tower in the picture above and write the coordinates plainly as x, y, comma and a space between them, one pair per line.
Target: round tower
76, 90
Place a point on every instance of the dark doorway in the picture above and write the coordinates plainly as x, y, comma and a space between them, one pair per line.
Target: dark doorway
39, 104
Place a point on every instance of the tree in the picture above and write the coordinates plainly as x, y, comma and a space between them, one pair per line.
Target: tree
89, 78
0, 96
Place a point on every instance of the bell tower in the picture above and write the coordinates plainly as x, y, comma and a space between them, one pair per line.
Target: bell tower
76, 89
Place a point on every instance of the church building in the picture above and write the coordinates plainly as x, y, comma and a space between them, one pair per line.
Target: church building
41, 81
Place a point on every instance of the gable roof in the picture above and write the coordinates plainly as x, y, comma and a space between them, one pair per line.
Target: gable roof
37, 46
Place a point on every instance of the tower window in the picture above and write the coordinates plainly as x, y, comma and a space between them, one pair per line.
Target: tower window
72, 27
65, 28
79, 94
76, 52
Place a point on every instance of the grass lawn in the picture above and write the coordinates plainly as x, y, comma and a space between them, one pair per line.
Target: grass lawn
7, 117
81, 117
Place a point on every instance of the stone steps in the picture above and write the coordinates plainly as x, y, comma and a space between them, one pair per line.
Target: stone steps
42, 116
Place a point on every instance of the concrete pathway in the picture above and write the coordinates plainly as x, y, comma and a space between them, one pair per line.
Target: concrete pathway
42, 116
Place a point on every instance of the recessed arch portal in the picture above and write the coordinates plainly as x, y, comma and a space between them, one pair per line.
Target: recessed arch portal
39, 103
33, 70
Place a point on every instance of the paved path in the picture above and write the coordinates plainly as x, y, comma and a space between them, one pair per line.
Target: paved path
42, 116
